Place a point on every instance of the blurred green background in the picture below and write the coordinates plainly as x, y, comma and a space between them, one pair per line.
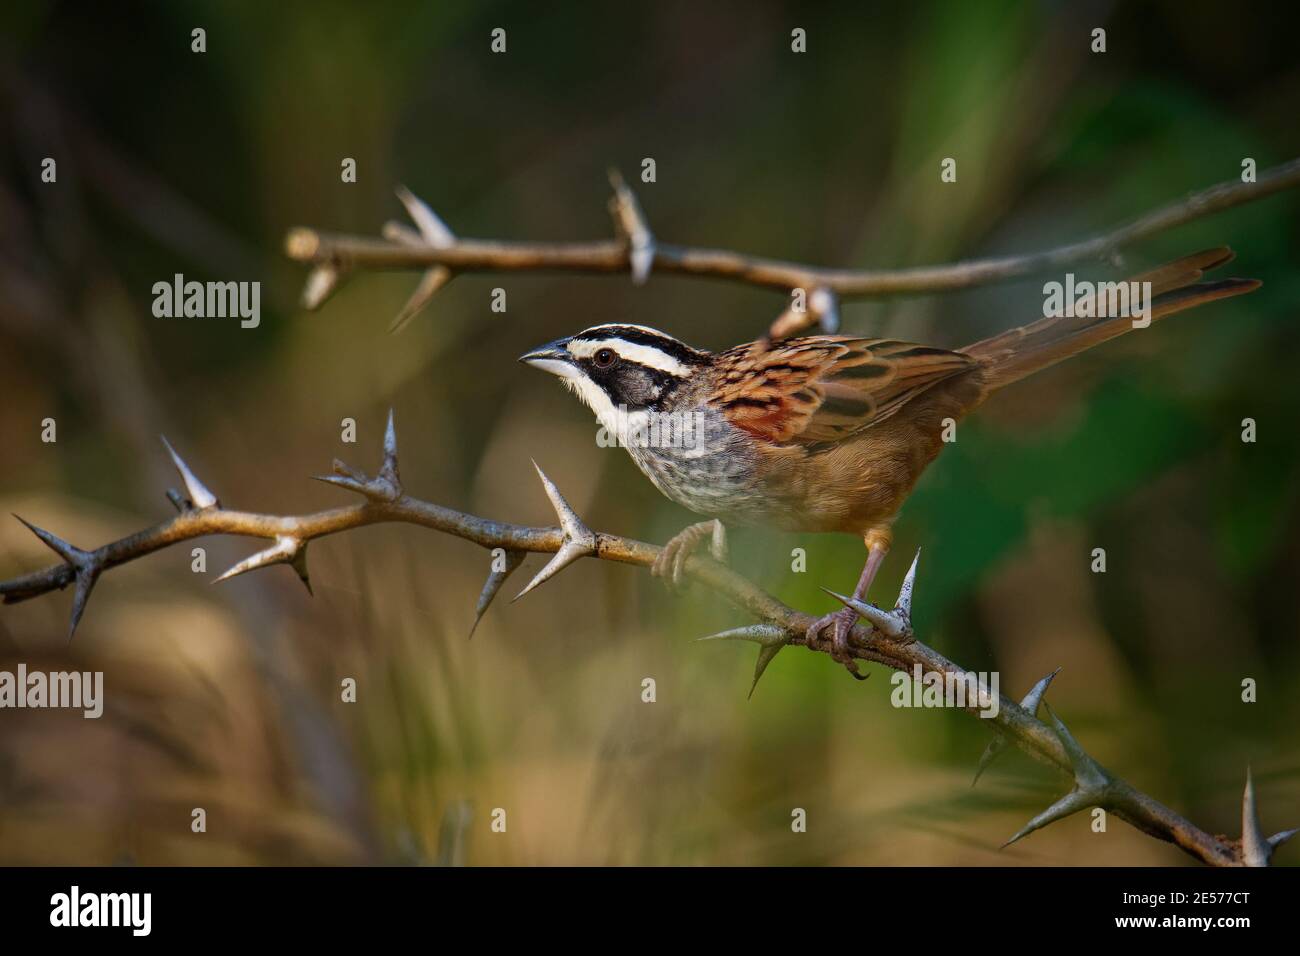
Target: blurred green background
227, 698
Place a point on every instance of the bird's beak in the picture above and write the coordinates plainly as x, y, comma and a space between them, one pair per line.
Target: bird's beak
552, 357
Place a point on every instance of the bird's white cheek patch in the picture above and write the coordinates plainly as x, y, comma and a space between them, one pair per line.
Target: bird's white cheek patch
594, 397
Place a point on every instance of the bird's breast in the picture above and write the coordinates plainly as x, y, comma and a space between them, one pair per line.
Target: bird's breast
696, 459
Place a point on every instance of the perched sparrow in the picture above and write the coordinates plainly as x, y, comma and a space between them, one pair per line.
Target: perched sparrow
822, 432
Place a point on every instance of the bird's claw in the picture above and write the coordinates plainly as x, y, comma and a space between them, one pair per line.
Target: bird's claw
671, 563
841, 623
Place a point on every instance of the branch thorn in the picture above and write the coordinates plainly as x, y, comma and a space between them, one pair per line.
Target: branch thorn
769, 638
579, 540
1257, 849
1030, 706
388, 470
321, 283
824, 305
299, 564
387, 486
631, 224
1092, 784
821, 307
432, 232
199, 495
493, 584
286, 550
896, 625
85, 565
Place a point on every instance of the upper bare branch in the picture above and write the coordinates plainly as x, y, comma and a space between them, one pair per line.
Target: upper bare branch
636, 251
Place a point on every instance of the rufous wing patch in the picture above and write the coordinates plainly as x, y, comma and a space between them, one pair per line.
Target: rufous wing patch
824, 388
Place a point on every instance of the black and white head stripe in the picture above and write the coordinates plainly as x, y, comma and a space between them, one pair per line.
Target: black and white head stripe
639, 345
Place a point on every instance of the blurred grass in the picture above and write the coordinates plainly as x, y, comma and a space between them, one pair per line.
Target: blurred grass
229, 698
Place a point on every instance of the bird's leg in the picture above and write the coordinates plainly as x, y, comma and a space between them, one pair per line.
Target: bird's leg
877, 542
672, 559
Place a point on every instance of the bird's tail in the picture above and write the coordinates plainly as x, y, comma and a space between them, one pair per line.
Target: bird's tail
1175, 286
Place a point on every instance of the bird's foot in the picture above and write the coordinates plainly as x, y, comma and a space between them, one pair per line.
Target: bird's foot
841, 623
671, 562
894, 625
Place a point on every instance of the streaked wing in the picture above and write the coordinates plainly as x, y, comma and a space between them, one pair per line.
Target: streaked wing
823, 388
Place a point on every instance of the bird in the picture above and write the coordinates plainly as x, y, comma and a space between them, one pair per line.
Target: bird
819, 433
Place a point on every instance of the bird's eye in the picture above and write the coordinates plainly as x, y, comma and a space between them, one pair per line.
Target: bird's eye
604, 358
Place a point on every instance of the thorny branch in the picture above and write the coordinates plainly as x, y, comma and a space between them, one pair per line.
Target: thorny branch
883, 637
814, 290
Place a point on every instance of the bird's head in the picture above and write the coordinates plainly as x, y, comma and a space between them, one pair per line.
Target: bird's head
619, 366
